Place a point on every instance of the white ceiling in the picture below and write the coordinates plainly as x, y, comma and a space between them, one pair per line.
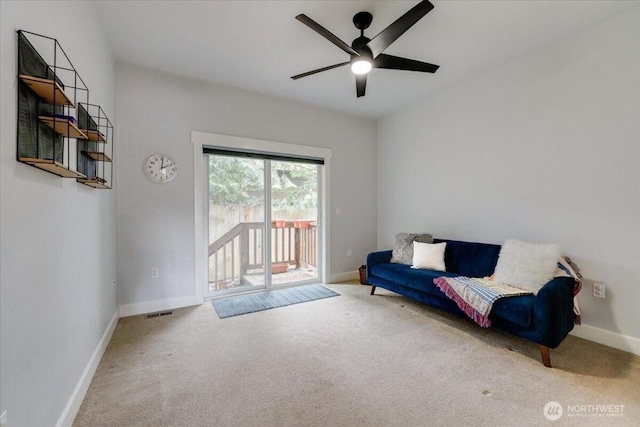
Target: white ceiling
258, 45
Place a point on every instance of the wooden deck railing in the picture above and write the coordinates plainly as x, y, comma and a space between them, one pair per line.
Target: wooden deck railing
239, 251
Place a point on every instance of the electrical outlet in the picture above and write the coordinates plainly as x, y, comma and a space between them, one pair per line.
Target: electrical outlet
349, 253
598, 290
3, 420
155, 272
338, 211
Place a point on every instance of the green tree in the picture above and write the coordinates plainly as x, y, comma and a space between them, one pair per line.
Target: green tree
235, 182
295, 186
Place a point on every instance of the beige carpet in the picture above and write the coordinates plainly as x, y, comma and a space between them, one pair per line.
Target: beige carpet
353, 360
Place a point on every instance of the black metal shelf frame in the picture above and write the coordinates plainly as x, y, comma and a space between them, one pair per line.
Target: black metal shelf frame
56, 120
95, 152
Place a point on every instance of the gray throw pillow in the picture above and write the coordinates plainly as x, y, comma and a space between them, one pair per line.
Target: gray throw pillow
403, 252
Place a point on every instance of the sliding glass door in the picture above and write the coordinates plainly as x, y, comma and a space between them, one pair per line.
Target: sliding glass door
294, 222
261, 209
236, 205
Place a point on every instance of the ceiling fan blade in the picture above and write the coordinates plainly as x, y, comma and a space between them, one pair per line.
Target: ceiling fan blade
319, 70
361, 84
387, 36
396, 63
326, 34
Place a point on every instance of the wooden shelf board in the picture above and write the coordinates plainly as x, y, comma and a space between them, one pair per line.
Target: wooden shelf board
52, 166
96, 155
46, 88
63, 127
95, 183
94, 135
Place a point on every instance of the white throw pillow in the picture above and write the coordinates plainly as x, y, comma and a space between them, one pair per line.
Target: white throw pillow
429, 255
525, 265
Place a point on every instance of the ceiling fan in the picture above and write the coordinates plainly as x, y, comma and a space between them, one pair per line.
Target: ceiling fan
367, 53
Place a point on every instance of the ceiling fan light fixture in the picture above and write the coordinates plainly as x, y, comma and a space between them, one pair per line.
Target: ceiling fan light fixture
361, 66
368, 53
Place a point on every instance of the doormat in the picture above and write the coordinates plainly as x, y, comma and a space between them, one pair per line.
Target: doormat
235, 306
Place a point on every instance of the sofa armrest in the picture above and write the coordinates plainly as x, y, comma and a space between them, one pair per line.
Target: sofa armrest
374, 258
553, 310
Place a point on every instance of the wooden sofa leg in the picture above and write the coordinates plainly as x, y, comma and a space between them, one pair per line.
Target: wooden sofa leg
373, 289
546, 356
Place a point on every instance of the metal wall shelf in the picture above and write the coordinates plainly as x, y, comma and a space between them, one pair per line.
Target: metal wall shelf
63, 127
97, 155
53, 167
47, 89
95, 183
56, 123
94, 136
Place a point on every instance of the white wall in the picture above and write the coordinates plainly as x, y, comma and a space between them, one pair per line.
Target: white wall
58, 237
156, 114
545, 149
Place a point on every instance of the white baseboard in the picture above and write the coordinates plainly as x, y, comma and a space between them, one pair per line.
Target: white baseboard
157, 305
75, 401
608, 338
342, 277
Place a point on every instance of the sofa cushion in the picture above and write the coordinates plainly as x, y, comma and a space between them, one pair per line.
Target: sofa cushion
518, 310
470, 259
421, 280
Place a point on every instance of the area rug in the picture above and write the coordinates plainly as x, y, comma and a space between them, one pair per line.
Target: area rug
235, 306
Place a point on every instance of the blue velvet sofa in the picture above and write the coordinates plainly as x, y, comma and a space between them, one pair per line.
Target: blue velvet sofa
545, 318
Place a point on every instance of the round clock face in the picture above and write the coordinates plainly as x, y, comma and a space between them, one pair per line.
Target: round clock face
160, 168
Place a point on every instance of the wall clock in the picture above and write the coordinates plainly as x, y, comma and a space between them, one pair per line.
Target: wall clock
160, 168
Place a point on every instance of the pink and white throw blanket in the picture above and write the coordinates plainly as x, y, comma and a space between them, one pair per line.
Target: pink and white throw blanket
566, 268
476, 296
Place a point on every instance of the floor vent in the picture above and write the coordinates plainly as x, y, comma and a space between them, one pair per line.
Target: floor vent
159, 314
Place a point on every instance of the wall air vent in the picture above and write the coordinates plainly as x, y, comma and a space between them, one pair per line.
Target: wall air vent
158, 314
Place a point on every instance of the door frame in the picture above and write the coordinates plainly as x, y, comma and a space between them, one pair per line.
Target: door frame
205, 139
